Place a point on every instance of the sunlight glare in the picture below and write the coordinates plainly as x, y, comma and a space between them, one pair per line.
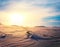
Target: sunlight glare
16, 19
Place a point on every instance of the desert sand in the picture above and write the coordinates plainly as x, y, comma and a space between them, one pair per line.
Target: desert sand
15, 36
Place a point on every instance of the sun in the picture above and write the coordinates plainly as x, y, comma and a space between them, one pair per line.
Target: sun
16, 19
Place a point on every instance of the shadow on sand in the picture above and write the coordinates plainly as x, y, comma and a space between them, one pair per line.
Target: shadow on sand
36, 37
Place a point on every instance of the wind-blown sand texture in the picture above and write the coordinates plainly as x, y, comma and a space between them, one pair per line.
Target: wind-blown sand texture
16, 37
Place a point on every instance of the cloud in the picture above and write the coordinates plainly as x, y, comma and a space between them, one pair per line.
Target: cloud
48, 4
54, 4
3, 4
34, 9
56, 18
52, 20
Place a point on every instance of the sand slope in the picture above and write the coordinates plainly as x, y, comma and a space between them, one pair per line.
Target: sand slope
18, 38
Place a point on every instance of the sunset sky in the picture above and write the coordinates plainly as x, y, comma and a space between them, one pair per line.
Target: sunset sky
31, 12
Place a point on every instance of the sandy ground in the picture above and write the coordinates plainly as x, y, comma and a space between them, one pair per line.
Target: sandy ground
18, 38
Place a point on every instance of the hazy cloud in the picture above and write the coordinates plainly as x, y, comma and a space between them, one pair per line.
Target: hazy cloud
43, 10
53, 20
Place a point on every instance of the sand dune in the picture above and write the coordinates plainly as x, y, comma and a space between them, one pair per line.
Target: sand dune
17, 38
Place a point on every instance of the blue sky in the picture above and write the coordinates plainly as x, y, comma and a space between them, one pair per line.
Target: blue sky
53, 20
41, 12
